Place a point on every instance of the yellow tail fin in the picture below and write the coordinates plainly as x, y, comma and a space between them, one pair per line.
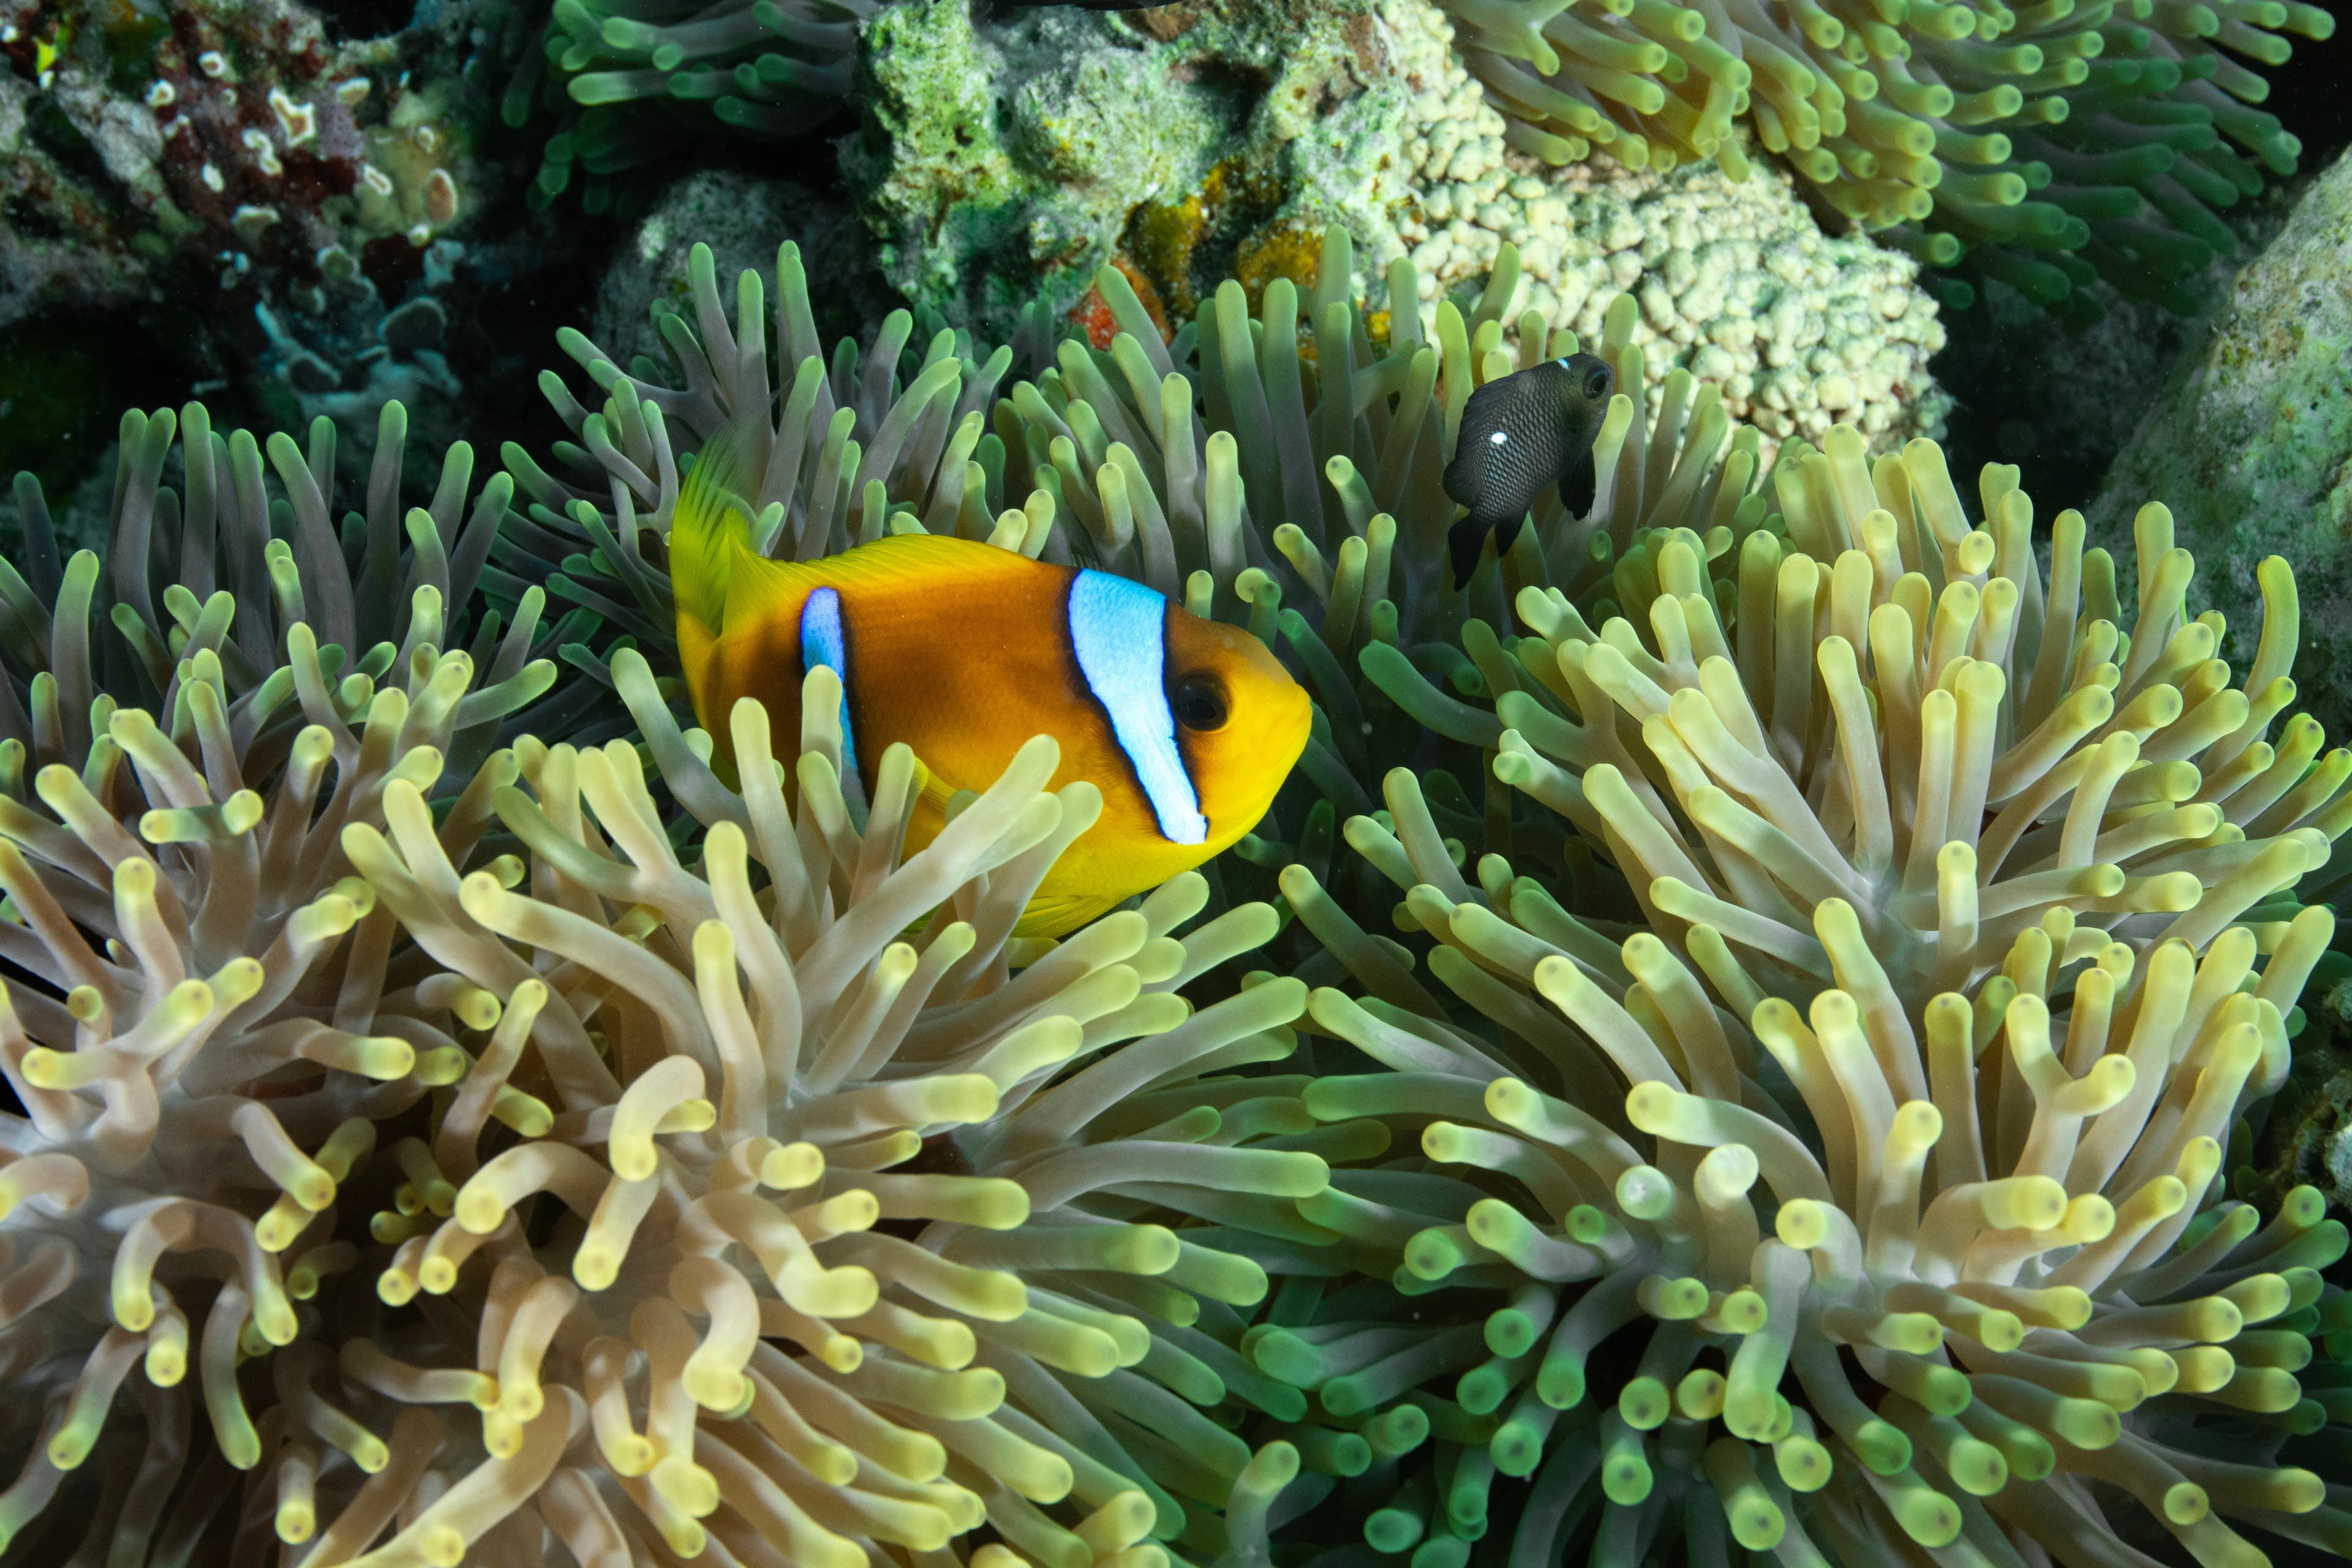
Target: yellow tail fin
712, 518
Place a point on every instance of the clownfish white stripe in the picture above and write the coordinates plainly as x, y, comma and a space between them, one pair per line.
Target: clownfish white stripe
822, 643
1119, 631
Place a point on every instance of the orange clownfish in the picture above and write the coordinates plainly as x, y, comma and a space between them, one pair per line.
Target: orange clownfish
964, 651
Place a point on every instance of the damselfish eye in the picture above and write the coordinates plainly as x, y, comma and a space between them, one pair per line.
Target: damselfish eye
1596, 384
1198, 702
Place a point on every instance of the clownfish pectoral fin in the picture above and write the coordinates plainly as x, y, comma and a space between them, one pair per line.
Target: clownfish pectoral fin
710, 521
1060, 915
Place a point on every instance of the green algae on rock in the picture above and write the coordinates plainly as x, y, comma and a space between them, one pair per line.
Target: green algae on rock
2251, 437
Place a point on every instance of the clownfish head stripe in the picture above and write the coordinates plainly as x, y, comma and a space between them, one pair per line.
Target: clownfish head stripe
1118, 632
823, 643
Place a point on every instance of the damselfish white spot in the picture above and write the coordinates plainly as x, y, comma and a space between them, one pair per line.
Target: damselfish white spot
1119, 631
1561, 362
1497, 438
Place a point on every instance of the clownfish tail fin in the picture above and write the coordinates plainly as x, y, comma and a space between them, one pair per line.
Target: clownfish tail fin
712, 518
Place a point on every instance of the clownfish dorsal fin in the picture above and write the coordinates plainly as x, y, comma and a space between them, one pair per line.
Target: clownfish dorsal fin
755, 586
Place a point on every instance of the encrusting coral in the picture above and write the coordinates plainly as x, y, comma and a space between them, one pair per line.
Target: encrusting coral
2050, 144
205, 133
1799, 326
1965, 929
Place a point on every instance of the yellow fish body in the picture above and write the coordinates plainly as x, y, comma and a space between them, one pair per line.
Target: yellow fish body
964, 651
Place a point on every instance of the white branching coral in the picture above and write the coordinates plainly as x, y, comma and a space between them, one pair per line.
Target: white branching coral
1886, 1160
777, 1217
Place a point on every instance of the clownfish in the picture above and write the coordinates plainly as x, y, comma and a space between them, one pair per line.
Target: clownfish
1520, 433
964, 651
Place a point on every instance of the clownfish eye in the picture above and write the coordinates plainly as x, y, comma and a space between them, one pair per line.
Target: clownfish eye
1596, 384
1198, 702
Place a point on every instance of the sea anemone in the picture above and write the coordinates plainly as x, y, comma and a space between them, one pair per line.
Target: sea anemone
629, 81
1224, 478
303, 1020
210, 1026
1965, 927
2052, 144
813, 1236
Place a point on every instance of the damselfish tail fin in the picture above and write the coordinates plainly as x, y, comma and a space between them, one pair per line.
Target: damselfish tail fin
712, 518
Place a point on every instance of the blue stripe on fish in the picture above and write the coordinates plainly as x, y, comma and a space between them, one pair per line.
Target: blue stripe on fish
823, 643
1119, 631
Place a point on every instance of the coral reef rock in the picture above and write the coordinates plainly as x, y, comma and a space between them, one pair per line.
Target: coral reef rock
2251, 439
999, 165
995, 162
742, 218
223, 135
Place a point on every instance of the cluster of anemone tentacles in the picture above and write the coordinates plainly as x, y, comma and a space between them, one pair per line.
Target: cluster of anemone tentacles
1869, 952
1869, 1197
628, 82
2050, 144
